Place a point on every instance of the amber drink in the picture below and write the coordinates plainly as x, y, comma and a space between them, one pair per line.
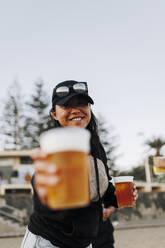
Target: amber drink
67, 149
124, 191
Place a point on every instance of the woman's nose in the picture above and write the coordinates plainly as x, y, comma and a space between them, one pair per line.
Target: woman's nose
74, 110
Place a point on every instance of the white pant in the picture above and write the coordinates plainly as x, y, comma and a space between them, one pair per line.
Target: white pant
31, 240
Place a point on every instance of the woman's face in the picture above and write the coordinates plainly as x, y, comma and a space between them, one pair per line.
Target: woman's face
76, 113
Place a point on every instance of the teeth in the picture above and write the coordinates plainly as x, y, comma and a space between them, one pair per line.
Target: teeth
77, 119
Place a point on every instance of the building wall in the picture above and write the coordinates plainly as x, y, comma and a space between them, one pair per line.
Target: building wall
5, 171
150, 205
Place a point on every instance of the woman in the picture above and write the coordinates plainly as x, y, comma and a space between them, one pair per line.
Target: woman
71, 228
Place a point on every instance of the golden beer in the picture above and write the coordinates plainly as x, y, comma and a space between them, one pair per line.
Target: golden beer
67, 149
124, 191
159, 165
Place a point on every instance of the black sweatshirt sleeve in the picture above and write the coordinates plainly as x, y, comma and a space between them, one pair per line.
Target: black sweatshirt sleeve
109, 198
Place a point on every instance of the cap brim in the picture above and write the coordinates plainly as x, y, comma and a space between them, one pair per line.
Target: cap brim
64, 100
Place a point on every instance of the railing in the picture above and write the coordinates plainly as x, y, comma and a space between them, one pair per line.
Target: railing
150, 186
15, 188
27, 188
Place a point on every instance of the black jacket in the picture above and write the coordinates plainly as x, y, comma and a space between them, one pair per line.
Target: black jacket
105, 237
74, 228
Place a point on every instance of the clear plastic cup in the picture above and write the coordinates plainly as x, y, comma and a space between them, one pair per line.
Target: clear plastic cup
124, 191
67, 149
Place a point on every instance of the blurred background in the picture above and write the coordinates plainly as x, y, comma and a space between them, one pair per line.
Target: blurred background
117, 47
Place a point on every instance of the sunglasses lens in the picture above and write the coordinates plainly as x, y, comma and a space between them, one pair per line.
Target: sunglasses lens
62, 91
80, 87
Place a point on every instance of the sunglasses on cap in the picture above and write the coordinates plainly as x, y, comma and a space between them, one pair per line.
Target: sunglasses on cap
62, 91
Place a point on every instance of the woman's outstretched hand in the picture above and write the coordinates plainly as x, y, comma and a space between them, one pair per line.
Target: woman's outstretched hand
46, 174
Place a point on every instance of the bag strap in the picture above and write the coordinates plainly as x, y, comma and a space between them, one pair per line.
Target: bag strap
97, 178
98, 190
103, 157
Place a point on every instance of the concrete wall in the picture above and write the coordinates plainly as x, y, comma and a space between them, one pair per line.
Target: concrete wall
20, 201
150, 205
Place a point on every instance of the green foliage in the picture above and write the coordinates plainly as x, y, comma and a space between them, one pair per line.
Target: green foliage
12, 119
22, 123
108, 141
137, 172
156, 143
38, 119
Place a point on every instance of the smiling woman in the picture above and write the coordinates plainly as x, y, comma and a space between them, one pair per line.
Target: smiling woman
77, 227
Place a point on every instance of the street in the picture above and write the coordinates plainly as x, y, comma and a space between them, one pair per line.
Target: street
150, 237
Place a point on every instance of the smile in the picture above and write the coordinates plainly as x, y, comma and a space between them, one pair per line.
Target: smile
76, 119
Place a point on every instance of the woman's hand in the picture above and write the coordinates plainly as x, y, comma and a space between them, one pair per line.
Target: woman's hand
107, 211
135, 194
46, 174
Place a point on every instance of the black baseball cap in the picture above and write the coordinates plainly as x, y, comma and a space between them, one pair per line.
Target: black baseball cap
64, 91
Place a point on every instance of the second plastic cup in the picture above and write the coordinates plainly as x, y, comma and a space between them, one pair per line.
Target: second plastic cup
124, 191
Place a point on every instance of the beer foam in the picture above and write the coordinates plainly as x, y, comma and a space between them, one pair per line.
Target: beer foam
123, 179
65, 139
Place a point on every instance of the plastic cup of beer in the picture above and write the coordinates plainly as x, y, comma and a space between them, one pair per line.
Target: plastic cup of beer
67, 149
124, 191
159, 165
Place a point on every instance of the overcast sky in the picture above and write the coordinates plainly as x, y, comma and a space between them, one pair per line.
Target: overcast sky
117, 46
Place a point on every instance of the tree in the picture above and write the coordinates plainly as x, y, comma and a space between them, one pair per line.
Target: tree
37, 118
108, 141
12, 119
156, 143
137, 172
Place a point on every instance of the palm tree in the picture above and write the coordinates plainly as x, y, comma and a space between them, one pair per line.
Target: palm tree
156, 143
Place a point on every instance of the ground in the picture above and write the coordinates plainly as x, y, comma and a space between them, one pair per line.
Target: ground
140, 238
149, 237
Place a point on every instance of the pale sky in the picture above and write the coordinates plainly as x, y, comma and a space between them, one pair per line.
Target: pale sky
117, 46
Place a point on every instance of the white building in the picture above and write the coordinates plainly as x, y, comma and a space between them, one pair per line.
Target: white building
15, 170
